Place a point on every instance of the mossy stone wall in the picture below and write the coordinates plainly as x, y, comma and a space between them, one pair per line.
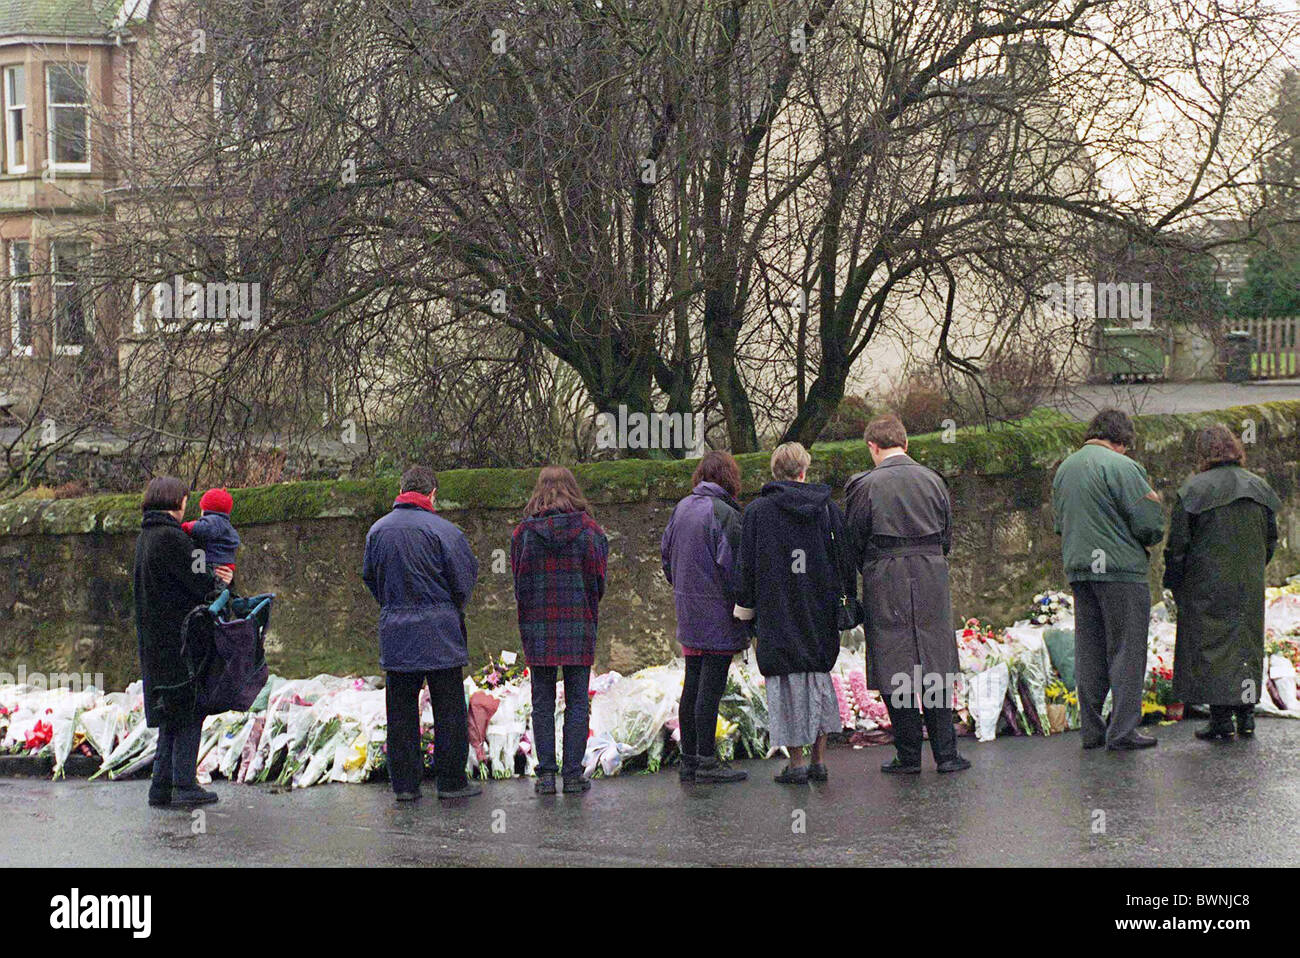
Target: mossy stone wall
65, 582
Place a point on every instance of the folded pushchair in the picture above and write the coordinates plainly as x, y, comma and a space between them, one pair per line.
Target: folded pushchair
224, 645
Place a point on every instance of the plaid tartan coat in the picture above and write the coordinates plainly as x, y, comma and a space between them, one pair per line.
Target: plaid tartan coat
558, 560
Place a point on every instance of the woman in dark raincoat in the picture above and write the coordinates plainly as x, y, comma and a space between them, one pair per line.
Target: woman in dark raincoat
1222, 534
167, 585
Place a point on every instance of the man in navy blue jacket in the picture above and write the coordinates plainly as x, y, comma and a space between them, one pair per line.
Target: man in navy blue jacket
420, 569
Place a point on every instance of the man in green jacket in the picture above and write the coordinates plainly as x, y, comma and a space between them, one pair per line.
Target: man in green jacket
1108, 516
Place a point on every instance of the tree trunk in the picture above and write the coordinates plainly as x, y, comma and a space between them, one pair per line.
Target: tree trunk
823, 399
720, 338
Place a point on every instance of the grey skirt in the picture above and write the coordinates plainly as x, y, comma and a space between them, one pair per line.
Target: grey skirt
800, 707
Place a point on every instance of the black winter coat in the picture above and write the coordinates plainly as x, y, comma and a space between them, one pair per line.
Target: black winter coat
166, 589
787, 576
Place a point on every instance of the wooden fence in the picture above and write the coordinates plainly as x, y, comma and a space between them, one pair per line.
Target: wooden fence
1275, 345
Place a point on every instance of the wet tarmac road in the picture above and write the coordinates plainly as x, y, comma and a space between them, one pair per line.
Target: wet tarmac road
1026, 802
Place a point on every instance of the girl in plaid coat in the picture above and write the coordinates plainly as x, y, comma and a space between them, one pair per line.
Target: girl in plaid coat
558, 556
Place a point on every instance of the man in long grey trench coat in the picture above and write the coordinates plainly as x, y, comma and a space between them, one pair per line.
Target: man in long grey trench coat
900, 522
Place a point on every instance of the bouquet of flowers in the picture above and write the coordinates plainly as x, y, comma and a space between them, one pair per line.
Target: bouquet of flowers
977, 646
744, 706
1284, 646
1162, 684
1159, 692
848, 714
1050, 606
504, 670
1057, 711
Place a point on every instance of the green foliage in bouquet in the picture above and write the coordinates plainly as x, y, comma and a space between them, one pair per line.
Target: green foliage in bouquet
748, 712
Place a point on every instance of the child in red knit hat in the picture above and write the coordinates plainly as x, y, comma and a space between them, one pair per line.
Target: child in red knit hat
212, 532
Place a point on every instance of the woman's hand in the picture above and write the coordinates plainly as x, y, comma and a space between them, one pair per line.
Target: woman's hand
223, 574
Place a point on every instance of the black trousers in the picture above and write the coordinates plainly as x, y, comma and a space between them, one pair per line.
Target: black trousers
450, 723
1111, 620
697, 714
178, 754
906, 724
577, 708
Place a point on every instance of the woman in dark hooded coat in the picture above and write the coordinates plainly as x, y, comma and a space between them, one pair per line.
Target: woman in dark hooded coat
168, 583
1222, 535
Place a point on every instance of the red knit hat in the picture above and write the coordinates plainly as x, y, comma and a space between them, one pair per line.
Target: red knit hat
217, 500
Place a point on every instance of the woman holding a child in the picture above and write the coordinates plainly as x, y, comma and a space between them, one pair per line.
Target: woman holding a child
166, 588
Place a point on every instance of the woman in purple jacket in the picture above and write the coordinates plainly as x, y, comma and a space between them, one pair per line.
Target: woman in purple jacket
699, 550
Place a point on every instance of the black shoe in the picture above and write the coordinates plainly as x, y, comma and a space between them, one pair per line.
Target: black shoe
817, 773
687, 771
576, 786
407, 796
1095, 743
713, 769
1215, 731
469, 790
1134, 742
1246, 721
792, 776
160, 798
895, 767
957, 764
545, 784
192, 795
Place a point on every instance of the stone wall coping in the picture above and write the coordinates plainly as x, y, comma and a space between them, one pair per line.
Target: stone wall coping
1036, 443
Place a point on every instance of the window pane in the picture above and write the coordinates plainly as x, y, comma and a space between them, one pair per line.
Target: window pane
67, 83
20, 295
20, 259
17, 146
69, 135
69, 318
16, 87
21, 317
71, 294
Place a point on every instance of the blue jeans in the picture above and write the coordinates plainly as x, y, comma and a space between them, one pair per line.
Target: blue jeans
576, 709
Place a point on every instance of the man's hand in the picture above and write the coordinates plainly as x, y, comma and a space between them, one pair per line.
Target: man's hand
1153, 496
223, 574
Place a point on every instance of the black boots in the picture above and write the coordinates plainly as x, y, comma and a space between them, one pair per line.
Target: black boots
895, 767
687, 771
712, 769
468, 790
192, 795
545, 784
792, 775
1246, 720
1220, 726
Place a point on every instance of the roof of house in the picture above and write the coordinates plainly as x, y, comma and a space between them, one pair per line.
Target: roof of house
84, 19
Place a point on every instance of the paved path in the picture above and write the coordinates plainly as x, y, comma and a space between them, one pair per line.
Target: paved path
1154, 398
1026, 802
